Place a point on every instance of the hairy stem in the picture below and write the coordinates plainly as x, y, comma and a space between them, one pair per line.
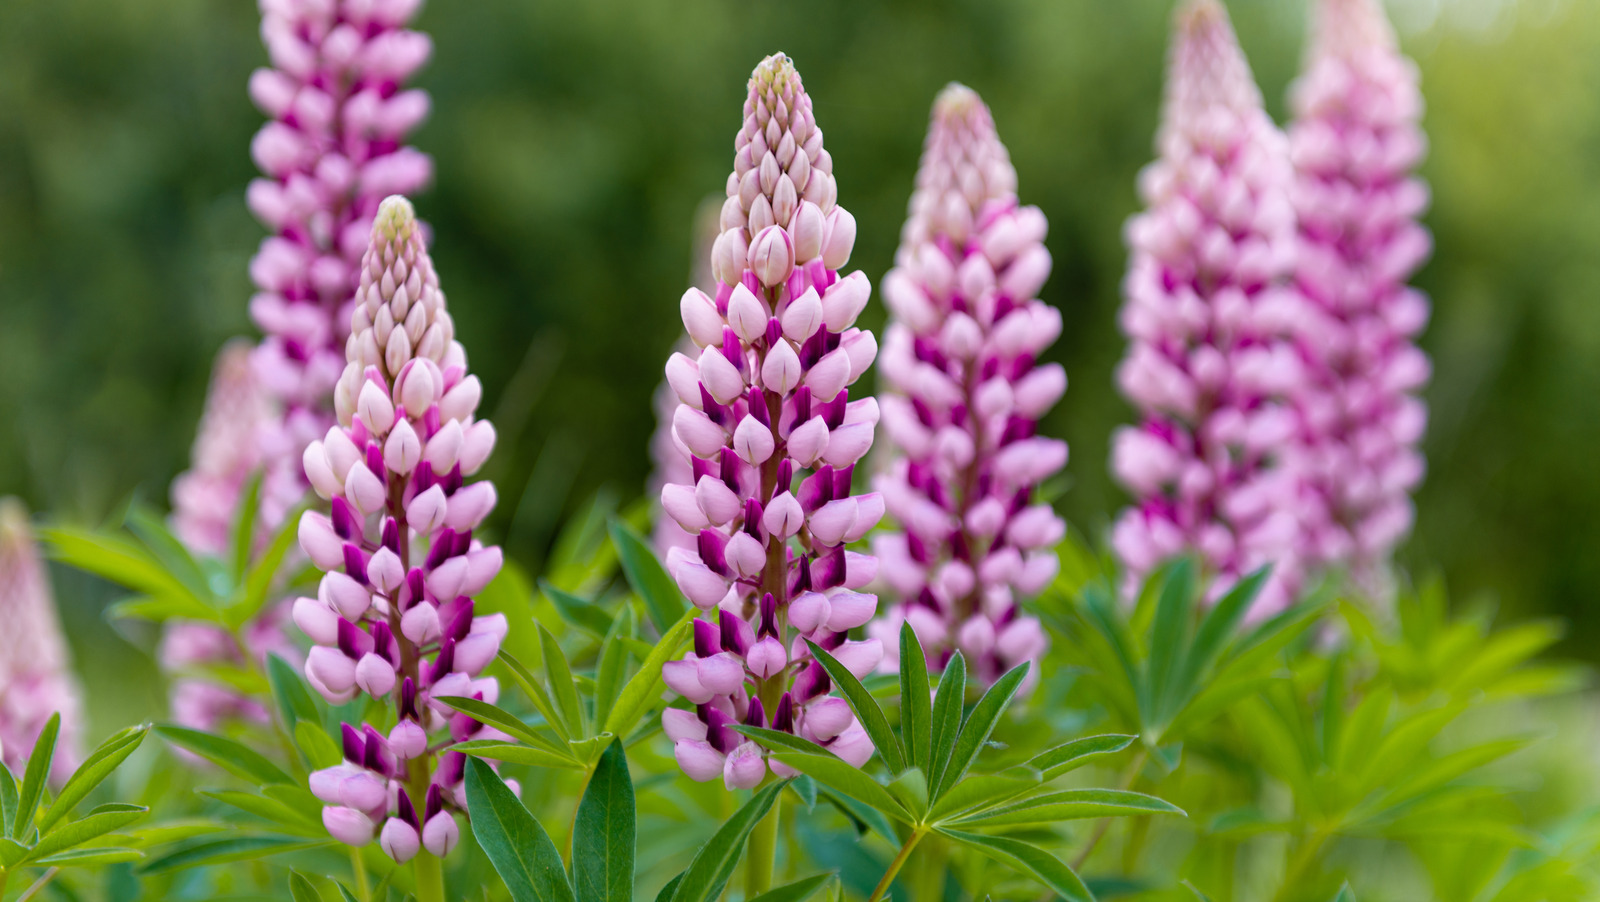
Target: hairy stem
898, 863
38, 885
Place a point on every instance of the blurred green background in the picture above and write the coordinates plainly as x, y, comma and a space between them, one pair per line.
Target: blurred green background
574, 140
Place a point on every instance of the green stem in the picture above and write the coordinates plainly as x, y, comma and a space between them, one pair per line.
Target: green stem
572, 826
762, 852
1128, 778
1302, 860
430, 877
358, 868
38, 885
899, 862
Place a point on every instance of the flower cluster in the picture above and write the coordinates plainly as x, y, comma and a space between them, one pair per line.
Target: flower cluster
966, 396
393, 616
35, 678
765, 415
188, 646
1355, 143
332, 151
1210, 317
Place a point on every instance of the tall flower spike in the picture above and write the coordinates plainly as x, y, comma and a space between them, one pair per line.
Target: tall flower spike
964, 403
205, 498
773, 439
35, 678
393, 617
333, 149
1355, 144
1209, 316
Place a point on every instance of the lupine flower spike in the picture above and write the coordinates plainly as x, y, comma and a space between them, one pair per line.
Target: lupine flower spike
1355, 144
964, 403
765, 414
227, 452
393, 617
1209, 317
333, 150
35, 678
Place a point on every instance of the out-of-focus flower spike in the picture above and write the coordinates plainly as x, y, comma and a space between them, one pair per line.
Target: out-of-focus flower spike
36, 679
1210, 316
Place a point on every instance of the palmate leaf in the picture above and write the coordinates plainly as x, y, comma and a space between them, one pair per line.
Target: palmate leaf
827, 769
92, 772
977, 728
96, 823
127, 563
517, 846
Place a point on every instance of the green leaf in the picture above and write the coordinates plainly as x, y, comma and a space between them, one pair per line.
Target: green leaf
580, 612
827, 768
1217, 627
984, 791
501, 719
515, 754
916, 715
910, 789
98, 822
168, 551
233, 757
642, 689
863, 817
98, 856
316, 745
1173, 611
294, 700
979, 726
519, 849
798, 891
270, 809
244, 528
866, 707
613, 664
558, 675
258, 581
1073, 804
1027, 859
1199, 896
603, 834
92, 772
125, 563
160, 610
947, 704
538, 694
33, 778
8, 798
708, 873
1345, 895
229, 848
301, 890
346, 896
1070, 756
647, 577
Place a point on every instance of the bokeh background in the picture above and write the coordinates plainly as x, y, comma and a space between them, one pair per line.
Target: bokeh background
573, 143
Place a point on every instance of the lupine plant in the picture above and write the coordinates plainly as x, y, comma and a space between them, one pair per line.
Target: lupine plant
1197, 706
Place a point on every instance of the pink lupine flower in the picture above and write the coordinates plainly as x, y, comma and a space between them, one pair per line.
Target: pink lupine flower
393, 617
964, 403
333, 149
1355, 144
36, 679
1209, 316
188, 646
764, 414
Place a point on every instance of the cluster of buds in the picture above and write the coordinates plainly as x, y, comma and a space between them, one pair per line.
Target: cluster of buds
1210, 316
393, 617
1355, 144
332, 150
36, 680
205, 500
966, 396
773, 438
